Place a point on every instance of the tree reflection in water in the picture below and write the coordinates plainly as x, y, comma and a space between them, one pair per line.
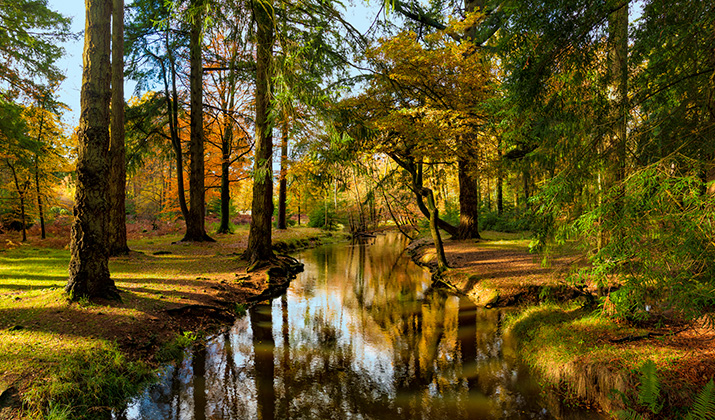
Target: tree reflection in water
359, 335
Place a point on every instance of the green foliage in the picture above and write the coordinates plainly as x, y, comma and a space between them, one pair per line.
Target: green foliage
86, 383
649, 389
451, 212
323, 216
649, 402
30, 44
511, 220
659, 240
174, 349
704, 406
240, 310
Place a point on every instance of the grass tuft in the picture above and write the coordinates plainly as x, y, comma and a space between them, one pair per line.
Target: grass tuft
86, 384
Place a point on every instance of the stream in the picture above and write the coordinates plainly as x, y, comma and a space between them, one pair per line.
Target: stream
360, 334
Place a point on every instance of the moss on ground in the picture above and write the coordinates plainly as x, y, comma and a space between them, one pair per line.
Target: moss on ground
589, 356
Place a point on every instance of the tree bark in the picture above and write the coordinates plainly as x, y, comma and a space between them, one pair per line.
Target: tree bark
259, 237
415, 170
468, 203
117, 226
434, 230
225, 184
40, 209
500, 181
89, 255
195, 226
283, 177
21, 194
37, 172
618, 69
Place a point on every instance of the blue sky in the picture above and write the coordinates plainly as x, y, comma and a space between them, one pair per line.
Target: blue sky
71, 63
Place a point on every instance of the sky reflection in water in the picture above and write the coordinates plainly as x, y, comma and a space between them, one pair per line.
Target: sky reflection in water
359, 335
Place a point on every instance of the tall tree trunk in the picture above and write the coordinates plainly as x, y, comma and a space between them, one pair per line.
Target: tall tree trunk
527, 192
40, 209
195, 227
21, 194
89, 255
117, 226
283, 177
500, 180
468, 203
225, 182
172, 107
259, 236
37, 172
618, 73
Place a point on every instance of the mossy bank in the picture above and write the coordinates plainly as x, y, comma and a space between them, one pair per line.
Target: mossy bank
564, 337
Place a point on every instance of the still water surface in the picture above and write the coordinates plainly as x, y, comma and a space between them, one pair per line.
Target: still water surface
359, 335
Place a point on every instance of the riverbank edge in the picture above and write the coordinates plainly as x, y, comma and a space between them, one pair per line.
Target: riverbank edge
579, 377
199, 322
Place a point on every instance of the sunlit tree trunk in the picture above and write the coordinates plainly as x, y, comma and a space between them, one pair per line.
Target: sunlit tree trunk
117, 226
434, 230
195, 224
468, 203
259, 236
88, 268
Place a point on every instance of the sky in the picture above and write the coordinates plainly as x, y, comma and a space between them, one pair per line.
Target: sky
71, 63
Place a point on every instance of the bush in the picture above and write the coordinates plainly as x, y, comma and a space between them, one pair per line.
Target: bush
511, 220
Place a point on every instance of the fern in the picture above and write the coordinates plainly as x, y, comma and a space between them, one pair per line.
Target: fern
629, 414
649, 389
704, 406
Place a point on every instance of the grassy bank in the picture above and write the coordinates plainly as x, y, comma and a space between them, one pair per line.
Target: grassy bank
74, 360
586, 356
596, 360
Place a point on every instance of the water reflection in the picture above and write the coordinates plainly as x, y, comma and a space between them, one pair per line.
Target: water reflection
359, 335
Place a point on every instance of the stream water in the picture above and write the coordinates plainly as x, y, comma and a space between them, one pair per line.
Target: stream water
359, 335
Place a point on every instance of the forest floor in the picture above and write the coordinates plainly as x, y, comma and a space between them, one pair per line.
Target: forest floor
572, 346
167, 288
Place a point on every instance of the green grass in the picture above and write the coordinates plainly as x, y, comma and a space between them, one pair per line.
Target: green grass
87, 383
62, 356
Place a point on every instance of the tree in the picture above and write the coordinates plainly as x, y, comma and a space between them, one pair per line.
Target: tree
88, 269
424, 108
29, 45
15, 151
230, 68
259, 246
195, 224
155, 44
283, 176
117, 226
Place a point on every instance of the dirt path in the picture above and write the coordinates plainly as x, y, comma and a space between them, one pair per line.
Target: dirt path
502, 272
